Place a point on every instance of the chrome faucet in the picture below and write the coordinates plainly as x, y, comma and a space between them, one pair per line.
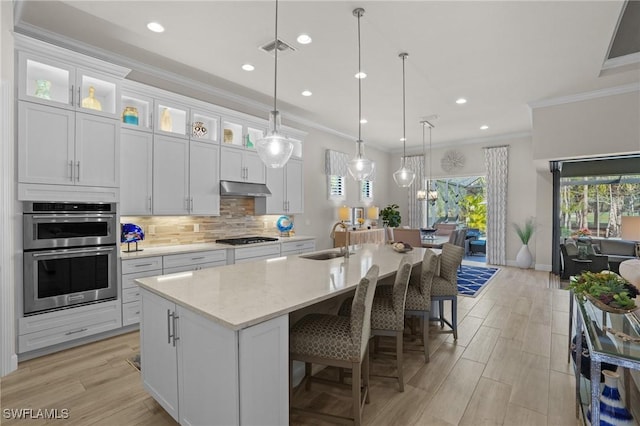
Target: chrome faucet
346, 237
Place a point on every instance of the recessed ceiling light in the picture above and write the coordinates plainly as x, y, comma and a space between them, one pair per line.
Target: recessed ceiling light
361, 74
364, 121
307, 93
304, 39
402, 139
248, 67
155, 27
461, 101
484, 127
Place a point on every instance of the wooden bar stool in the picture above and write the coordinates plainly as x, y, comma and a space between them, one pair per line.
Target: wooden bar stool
338, 341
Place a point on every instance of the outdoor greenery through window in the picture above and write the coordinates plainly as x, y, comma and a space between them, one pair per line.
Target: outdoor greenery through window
594, 206
460, 200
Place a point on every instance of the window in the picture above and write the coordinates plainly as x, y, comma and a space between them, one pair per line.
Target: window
366, 190
337, 188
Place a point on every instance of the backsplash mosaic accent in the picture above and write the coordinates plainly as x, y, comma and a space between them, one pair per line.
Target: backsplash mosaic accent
236, 219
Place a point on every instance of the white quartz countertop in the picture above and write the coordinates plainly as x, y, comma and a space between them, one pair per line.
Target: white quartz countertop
193, 248
242, 295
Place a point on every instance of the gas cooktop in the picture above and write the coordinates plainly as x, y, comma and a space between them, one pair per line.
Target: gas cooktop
245, 240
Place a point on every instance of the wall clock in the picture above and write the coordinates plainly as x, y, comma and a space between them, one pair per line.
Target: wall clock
453, 160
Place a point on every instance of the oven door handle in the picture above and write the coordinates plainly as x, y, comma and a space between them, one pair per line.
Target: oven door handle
74, 216
63, 253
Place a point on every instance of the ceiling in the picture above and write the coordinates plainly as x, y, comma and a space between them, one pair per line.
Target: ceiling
499, 55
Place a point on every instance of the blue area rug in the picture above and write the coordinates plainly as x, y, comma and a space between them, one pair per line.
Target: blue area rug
473, 278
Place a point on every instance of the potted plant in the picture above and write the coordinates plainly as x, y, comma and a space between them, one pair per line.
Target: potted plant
391, 216
524, 258
608, 291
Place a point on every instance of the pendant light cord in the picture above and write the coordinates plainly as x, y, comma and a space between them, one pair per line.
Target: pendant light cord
430, 158
359, 86
424, 153
404, 119
275, 74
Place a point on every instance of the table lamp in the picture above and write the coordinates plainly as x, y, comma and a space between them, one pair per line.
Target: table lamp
131, 233
373, 214
344, 214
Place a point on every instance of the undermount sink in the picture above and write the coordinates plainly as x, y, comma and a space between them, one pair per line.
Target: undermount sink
325, 255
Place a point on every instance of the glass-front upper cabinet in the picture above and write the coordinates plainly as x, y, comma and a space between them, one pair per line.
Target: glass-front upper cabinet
171, 118
136, 111
55, 83
241, 134
204, 126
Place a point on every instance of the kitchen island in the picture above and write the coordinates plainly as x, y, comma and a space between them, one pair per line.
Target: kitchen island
215, 342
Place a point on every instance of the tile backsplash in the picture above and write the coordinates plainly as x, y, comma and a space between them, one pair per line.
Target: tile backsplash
236, 218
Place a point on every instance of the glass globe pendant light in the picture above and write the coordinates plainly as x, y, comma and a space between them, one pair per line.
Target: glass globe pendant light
359, 166
274, 149
403, 176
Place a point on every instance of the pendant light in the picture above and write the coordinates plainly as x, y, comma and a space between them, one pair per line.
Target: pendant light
274, 149
421, 195
403, 176
432, 192
359, 166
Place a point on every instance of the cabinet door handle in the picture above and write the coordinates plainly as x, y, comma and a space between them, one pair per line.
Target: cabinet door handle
79, 96
142, 264
169, 335
69, 333
151, 121
71, 171
175, 328
191, 204
78, 176
150, 205
71, 95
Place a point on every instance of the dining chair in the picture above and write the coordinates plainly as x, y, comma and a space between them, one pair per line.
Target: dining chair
418, 300
388, 310
409, 236
445, 285
339, 341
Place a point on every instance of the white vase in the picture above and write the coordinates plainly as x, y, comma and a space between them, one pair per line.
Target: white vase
524, 259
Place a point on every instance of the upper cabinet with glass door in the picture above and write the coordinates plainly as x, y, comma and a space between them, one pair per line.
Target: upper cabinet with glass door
171, 118
57, 83
205, 126
136, 110
241, 134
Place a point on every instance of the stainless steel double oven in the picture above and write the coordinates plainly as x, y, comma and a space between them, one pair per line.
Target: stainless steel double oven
70, 254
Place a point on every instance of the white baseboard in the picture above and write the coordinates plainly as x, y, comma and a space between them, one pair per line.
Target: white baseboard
543, 267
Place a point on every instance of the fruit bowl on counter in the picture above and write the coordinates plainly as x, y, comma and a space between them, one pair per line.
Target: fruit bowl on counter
401, 247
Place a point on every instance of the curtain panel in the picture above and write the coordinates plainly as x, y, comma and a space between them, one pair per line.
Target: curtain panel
496, 160
415, 208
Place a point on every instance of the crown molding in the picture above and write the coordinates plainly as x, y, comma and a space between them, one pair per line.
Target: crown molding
474, 141
578, 97
621, 61
106, 55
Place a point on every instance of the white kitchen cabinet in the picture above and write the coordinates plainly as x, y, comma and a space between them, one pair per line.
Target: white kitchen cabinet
171, 118
205, 126
204, 179
290, 248
136, 172
241, 375
260, 252
187, 360
135, 103
287, 190
131, 270
58, 146
193, 261
50, 81
240, 165
170, 176
52, 328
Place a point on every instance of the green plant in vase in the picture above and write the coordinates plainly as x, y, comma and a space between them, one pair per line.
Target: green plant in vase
391, 216
605, 290
524, 258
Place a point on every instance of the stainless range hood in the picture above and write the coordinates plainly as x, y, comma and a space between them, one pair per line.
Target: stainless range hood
243, 189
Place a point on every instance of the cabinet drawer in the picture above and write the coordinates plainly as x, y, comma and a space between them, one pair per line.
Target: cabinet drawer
186, 259
128, 280
130, 266
297, 247
68, 317
194, 267
100, 321
272, 250
130, 313
131, 294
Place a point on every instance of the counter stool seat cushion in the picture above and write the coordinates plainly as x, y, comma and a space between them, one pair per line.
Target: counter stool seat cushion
326, 336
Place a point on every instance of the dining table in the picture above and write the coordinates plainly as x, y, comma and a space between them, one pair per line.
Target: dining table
434, 242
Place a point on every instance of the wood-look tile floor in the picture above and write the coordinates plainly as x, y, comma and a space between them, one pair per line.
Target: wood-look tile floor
508, 367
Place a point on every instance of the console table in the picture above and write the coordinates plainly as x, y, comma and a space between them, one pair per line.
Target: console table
364, 236
621, 352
